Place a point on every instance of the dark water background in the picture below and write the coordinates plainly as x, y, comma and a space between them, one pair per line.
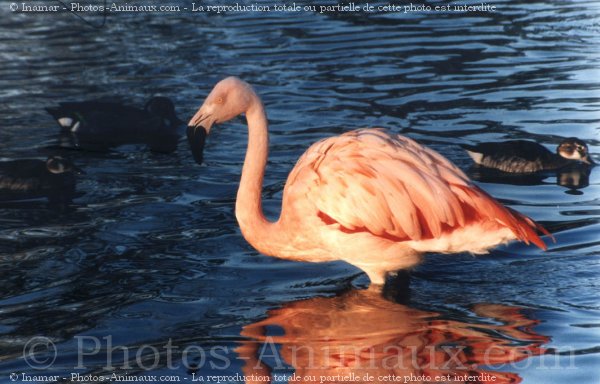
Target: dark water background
149, 251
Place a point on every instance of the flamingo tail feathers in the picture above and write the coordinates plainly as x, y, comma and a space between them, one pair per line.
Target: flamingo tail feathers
528, 230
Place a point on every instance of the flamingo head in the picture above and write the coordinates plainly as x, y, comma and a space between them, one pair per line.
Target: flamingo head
575, 149
231, 97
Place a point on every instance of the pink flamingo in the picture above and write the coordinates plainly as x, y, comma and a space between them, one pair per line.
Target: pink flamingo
373, 199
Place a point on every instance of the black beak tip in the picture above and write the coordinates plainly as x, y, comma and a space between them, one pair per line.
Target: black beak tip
587, 159
196, 136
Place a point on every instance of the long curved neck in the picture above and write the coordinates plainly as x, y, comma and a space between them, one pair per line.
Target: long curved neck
248, 208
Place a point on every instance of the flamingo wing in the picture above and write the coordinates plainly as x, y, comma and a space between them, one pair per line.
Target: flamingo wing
391, 186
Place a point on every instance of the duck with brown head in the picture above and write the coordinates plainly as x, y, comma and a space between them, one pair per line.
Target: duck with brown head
523, 156
373, 199
53, 178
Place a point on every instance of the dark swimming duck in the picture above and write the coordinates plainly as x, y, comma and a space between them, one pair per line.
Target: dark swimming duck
522, 156
32, 178
97, 124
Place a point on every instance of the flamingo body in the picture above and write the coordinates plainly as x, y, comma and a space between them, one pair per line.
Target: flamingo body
373, 199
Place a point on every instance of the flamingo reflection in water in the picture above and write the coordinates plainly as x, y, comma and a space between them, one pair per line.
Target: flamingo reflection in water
361, 337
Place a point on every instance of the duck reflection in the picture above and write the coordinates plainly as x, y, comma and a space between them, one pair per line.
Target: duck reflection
573, 177
361, 337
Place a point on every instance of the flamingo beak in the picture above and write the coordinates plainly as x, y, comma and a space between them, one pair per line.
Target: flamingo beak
196, 138
197, 130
